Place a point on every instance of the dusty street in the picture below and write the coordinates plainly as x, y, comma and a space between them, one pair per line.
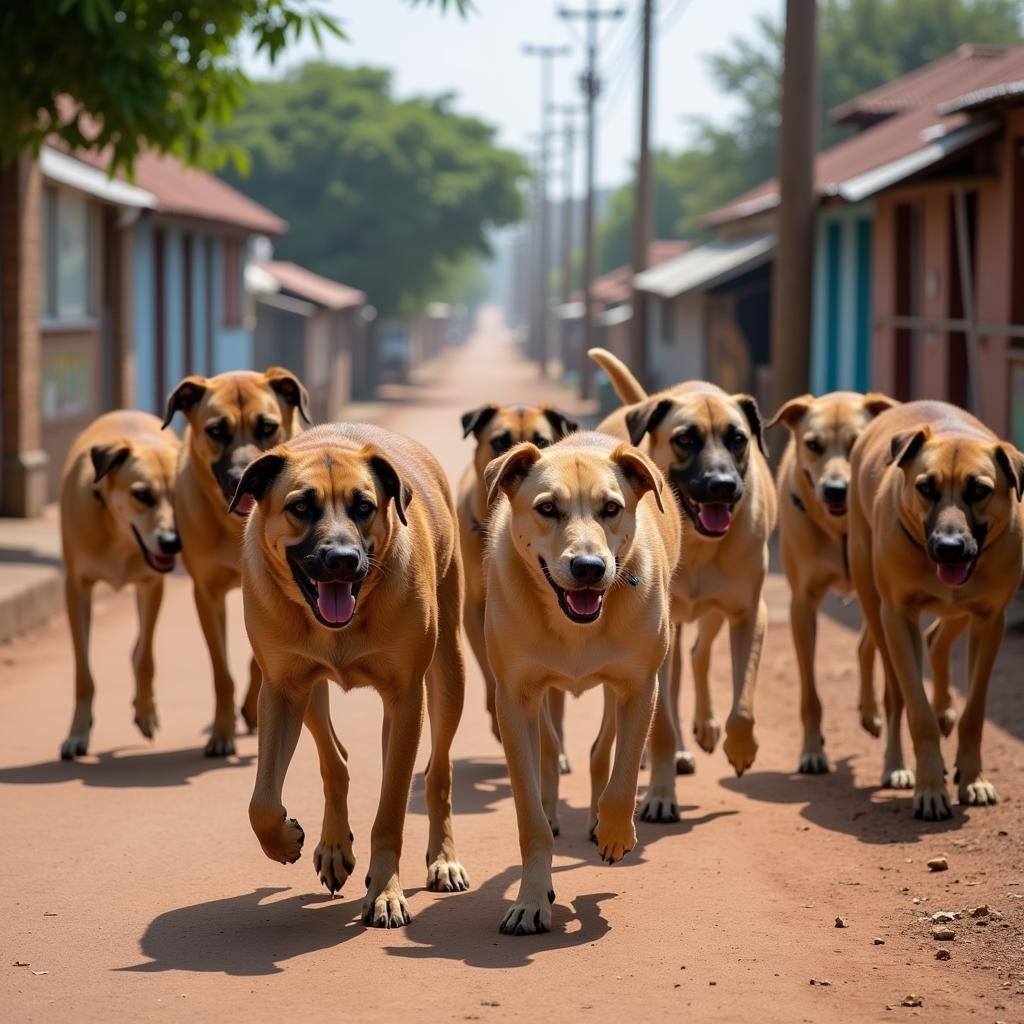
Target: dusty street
134, 889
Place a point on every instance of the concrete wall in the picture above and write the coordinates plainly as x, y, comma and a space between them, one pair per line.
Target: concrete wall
682, 355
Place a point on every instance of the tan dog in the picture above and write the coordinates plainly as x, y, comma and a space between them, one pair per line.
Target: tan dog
935, 527
117, 527
578, 575
232, 418
497, 429
813, 485
351, 572
710, 447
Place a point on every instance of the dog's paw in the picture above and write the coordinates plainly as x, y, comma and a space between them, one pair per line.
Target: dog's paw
146, 720
282, 841
871, 721
74, 746
813, 763
740, 742
387, 908
553, 824
979, 792
219, 745
660, 805
526, 917
686, 763
444, 874
946, 720
334, 862
707, 732
898, 778
932, 805
614, 839
564, 768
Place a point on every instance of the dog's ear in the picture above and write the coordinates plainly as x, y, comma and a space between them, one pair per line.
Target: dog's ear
875, 402
748, 406
476, 419
509, 471
185, 397
905, 445
290, 388
792, 412
1011, 462
394, 486
107, 457
258, 476
560, 423
642, 474
643, 418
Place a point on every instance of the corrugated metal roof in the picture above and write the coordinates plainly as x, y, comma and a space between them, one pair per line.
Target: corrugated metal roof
705, 267
307, 285
615, 286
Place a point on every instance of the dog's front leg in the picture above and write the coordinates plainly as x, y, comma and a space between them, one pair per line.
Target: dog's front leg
615, 834
210, 604
250, 706
870, 718
148, 598
601, 755
803, 617
706, 729
78, 595
941, 635
983, 644
686, 764
281, 713
385, 905
519, 719
746, 638
660, 802
903, 640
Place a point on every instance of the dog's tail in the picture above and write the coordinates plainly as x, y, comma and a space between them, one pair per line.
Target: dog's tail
627, 387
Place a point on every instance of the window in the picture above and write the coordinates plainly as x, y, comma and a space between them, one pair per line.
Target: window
66, 250
232, 283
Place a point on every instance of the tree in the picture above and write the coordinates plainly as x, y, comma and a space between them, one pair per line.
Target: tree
380, 193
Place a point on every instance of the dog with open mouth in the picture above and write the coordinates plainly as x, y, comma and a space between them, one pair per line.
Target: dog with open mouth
351, 572
813, 486
232, 419
935, 528
117, 527
710, 447
579, 564
497, 429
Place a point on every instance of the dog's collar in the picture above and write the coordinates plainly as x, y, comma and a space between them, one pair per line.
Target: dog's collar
477, 527
913, 540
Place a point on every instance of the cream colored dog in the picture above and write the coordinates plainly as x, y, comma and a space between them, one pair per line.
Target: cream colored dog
580, 560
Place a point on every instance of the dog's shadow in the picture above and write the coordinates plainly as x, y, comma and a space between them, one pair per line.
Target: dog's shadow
480, 785
125, 768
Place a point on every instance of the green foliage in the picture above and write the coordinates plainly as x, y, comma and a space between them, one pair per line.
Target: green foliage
380, 193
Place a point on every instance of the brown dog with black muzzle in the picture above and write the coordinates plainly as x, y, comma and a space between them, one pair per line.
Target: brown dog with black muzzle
351, 571
497, 429
580, 560
117, 527
232, 419
710, 447
813, 485
935, 527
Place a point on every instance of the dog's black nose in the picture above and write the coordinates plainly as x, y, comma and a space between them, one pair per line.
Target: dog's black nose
169, 541
949, 547
834, 491
340, 559
587, 569
721, 486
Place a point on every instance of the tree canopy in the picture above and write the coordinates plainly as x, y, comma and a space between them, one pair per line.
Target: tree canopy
381, 193
862, 44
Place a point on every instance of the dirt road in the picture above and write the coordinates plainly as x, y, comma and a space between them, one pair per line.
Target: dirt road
133, 888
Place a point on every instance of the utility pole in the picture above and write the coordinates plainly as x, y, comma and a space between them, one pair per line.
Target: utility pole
643, 217
592, 15
569, 112
543, 311
798, 145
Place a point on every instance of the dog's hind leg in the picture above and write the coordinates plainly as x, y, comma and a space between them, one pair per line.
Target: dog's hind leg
706, 728
746, 639
474, 622
148, 598
250, 705
803, 617
78, 595
940, 636
556, 705
601, 756
333, 858
983, 645
870, 716
685, 764
213, 619
660, 802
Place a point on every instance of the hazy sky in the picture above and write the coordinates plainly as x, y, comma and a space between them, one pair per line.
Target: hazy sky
480, 59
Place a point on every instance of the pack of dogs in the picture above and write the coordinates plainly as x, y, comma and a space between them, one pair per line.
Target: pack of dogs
572, 559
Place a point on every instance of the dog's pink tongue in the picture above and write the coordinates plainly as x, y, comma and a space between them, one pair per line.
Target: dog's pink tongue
953, 575
336, 601
245, 504
715, 517
584, 602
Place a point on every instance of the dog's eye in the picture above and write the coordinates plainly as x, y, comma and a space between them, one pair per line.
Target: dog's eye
365, 509
144, 496
977, 491
547, 509
266, 428
611, 509
501, 444
738, 441
541, 442
926, 488
300, 508
813, 445
217, 431
686, 441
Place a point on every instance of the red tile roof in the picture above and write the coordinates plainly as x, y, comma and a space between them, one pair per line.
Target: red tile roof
307, 285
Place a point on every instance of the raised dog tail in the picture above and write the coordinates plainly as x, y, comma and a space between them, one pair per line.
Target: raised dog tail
627, 387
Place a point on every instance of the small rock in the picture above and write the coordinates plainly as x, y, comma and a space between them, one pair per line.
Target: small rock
943, 934
981, 911
712, 982
918, 900
945, 916
878, 942
820, 981
40, 973
841, 922
912, 1000
943, 954
21, 963
938, 864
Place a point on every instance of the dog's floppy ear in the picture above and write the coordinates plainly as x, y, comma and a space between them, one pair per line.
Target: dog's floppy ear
394, 486
905, 445
185, 397
560, 423
642, 474
875, 402
792, 412
748, 405
1011, 462
476, 419
643, 418
507, 472
258, 476
107, 457
290, 388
